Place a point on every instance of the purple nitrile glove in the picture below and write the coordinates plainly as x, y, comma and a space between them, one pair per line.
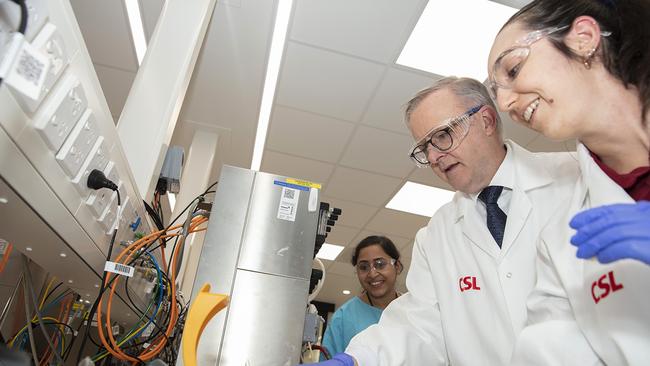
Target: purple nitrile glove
340, 359
613, 232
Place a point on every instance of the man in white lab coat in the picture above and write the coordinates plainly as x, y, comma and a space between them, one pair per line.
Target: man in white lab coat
469, 279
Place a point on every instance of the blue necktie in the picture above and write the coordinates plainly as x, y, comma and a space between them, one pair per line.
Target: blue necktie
496, 218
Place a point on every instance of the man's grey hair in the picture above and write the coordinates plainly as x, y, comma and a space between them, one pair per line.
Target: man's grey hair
471, 92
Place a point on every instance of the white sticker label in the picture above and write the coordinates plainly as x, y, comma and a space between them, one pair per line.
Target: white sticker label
288, 204
118, 268
27, 70
116, 330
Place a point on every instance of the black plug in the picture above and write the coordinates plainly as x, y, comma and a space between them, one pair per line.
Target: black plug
97, 180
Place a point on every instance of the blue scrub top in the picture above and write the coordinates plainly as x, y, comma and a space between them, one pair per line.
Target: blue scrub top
350, 319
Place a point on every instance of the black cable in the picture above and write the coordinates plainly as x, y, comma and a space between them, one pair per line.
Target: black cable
138, 255
210, 186
23, 15
93, 309
47, 296
22, 27
154, 216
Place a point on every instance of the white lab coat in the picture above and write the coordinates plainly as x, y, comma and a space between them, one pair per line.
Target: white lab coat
436, 323
579, 313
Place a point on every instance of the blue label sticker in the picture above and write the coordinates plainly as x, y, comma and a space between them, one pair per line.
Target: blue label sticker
294, 186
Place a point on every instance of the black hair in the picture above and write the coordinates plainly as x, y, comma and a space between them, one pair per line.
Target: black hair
386, 244
625, 53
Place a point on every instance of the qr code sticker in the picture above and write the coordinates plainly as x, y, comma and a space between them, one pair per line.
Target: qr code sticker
289, 193
30, 68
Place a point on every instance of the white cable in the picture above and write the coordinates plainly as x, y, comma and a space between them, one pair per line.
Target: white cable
319, 286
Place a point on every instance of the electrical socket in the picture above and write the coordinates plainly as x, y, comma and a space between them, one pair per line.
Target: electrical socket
51, 44
61, 113
99, 199
126, 215
97, 159
111, 173
75, 149
108, 217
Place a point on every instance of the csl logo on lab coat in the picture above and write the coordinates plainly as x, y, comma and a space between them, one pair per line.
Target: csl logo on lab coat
604, 286
467, 283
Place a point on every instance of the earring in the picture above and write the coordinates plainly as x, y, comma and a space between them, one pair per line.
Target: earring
588, 58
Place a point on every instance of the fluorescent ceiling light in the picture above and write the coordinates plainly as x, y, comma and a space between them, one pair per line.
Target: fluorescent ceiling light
346, 292
329, 251
272, 71
419, 199
455, 37
137, 30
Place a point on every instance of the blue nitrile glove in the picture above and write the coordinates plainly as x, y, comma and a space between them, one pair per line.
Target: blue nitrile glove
613, 232
340, 359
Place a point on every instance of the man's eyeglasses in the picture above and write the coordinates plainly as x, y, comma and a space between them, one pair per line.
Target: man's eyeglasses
509, 63
378, 264
442, 139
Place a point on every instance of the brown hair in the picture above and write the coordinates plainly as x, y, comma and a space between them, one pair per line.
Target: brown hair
625, 53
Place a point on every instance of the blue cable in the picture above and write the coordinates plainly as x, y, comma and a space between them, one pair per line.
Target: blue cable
160, 292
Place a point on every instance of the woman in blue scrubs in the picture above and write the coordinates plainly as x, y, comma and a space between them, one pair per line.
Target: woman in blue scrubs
376, 262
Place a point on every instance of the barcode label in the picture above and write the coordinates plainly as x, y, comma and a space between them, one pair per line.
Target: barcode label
118, 268
288, 204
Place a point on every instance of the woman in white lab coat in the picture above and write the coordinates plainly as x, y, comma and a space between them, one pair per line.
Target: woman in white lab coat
581, 69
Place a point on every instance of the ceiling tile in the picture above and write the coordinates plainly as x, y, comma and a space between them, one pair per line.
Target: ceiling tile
386, 109
353, 214
150, 11
399, 241
307, 134
327, 83
428, 177
333, 289
116, 85
407, 251
373, 29
343, 269
346, 254
107, 37
379, 151
326, 262
397, 223
341, 235
295, 167
542, 143
362, 187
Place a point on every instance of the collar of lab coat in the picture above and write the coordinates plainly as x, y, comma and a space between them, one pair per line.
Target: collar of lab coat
528, 173
597, 188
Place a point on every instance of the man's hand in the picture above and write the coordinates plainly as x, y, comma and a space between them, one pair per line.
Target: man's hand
340, 359
613, 232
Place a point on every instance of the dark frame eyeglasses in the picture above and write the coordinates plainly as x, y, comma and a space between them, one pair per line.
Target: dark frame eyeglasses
441, 138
